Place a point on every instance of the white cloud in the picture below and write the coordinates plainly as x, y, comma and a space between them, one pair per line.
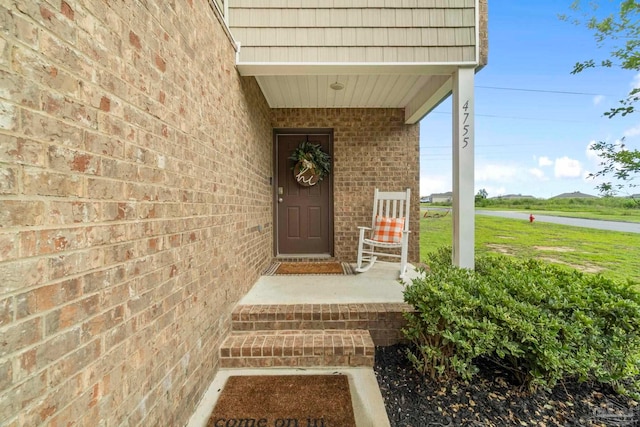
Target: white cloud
597, 100
538, 173
567, 168
592, 156
496, 173
635, 83
545, 161
430, 184
631, 132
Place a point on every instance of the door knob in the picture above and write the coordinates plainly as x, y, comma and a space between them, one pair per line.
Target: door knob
279, 199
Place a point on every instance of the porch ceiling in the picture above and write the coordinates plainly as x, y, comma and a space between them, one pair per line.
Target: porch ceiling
417, 88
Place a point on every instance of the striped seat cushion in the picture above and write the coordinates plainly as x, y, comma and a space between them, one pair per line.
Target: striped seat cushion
388, 230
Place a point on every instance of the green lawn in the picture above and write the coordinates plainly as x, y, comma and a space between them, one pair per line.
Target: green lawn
613, 254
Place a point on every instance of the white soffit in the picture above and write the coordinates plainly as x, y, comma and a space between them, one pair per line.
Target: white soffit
365, 86
360, 91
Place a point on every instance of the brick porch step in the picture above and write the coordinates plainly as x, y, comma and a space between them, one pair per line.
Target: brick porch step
383, 320
297, 348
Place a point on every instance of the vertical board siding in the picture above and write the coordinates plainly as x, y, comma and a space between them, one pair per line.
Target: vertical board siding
361, 30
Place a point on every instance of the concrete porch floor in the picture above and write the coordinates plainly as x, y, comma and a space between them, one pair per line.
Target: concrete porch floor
378, 285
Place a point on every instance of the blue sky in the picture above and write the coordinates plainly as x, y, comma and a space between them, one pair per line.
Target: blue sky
529, 141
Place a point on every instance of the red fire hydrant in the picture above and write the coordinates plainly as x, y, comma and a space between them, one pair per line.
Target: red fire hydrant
531, 217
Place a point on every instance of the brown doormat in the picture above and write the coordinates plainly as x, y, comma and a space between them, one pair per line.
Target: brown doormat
293, 268
284, 400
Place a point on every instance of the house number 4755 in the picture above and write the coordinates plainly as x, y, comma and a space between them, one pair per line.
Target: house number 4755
465, 125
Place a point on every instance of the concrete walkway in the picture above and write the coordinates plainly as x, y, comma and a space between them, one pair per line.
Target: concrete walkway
599, 224
378, 285
624, 227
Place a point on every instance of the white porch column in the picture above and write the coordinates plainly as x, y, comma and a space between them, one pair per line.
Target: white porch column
463, 169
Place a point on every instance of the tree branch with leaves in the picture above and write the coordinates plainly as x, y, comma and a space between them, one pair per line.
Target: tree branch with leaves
617, 162
620, 32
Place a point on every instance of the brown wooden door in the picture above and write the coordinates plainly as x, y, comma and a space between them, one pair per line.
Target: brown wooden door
304, 215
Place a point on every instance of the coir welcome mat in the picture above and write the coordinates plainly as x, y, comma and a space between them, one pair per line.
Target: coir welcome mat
299, 268
284, 400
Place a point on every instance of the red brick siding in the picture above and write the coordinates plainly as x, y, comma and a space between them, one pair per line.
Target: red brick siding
373, 148
135, 208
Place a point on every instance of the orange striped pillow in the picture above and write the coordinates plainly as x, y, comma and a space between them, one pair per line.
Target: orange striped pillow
388, 230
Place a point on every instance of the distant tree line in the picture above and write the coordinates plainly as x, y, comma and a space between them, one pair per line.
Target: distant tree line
559, 203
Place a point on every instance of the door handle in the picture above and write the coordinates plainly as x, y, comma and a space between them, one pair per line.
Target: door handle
279, 199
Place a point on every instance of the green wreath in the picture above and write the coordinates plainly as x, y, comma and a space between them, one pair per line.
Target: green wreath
311, 156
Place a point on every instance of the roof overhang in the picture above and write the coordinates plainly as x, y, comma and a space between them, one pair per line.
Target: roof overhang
415, 87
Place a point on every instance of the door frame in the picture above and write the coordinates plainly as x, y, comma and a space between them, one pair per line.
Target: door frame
328, 178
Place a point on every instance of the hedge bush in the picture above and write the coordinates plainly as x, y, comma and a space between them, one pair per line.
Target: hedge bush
543, 322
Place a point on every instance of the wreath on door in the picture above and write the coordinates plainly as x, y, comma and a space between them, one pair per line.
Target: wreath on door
311, 164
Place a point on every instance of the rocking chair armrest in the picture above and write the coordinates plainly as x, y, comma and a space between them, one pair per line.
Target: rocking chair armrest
362, 231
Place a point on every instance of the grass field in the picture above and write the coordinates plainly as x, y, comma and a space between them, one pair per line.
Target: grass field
612, 254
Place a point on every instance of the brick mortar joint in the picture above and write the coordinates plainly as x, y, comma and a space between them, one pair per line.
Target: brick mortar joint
60, 65
89, 249
81, 275
104, 223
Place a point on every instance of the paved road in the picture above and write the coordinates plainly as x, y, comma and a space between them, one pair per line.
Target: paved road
628, 227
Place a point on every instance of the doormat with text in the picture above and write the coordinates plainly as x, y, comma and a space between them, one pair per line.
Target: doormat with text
284, 400
299, 268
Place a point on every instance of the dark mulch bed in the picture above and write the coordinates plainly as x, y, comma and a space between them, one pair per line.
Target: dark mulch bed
492, 399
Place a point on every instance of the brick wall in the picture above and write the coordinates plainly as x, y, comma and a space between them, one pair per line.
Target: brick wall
372, 148
135, 207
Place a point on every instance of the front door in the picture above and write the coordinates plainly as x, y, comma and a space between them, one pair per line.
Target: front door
304, 215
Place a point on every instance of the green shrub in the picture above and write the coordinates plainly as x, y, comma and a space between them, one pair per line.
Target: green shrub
543, 322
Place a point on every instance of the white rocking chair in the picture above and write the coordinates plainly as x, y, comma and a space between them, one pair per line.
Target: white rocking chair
389, 230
